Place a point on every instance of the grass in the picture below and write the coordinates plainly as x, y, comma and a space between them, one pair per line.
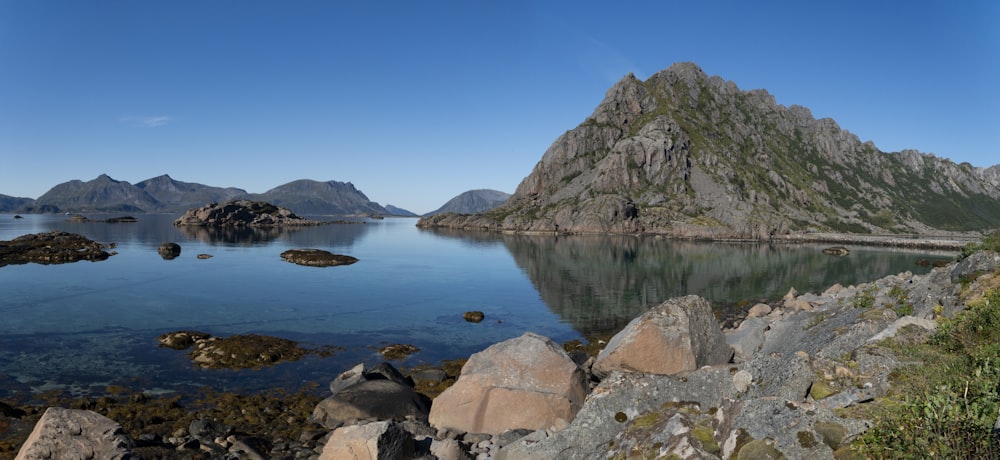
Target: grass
947, 406
991, 243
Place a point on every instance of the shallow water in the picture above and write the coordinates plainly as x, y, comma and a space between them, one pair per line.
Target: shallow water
84, 325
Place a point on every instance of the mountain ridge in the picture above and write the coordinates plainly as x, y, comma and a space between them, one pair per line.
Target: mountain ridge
165, 194
690, 155
472, 201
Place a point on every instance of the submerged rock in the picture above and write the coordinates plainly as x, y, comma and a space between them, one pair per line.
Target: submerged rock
51, 248
474, 316
316, 258
836, 251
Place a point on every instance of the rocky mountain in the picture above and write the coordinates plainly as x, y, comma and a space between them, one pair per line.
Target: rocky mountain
399, 211
102, 194
13, 203
686, 154
472, 201
324, 198
174, 195
164, 194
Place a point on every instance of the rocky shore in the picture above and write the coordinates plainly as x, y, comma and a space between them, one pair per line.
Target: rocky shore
672, 384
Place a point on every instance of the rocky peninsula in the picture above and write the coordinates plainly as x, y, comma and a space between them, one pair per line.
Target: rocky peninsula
794, 378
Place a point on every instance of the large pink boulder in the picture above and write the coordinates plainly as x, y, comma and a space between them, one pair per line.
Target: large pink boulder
678, 335
526, 382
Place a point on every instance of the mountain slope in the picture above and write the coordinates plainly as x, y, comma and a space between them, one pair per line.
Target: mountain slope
327, 198
102, 194
173, 195
690, 155
13, 203
472, 201
392, 210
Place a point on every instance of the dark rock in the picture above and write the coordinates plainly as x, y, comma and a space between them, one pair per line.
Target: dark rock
316, 258
121, 220
371, 399
169, 251
51, 248
474, 316
207, 430
10, 411
204, 256
243, 213
18, 216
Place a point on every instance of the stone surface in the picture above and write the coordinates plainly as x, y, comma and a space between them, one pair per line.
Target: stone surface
525, 382
65, 434
51, 248
316, 258
372, 441
371, 399
169, 251
680, 334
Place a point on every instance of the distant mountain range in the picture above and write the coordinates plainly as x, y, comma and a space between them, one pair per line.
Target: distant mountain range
165, 194
473, 201
689, 155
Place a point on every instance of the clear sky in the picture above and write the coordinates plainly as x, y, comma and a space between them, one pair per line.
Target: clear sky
417, 101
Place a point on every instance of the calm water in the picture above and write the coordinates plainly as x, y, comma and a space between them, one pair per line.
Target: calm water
82, 326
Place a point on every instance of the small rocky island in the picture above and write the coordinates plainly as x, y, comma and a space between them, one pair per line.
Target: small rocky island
316, 258
243, 213
51, 248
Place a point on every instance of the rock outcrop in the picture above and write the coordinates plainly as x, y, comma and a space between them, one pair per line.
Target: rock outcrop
51, 248
380, 393
242, 213
525, 382
690, 155
316, 258
67, 433
679, 335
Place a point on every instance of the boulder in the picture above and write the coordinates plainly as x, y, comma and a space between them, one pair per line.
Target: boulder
371, 399
316, 258
474, 316
525, 382
372, 441
169, 251
67, 433
680, 334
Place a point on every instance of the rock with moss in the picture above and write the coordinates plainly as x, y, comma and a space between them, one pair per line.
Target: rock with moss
316, 258
51, 248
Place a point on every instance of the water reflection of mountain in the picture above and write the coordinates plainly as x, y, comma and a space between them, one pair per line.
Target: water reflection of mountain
472, 238
599, 283
335, 234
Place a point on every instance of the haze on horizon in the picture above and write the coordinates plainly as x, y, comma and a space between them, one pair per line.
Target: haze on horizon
415, 103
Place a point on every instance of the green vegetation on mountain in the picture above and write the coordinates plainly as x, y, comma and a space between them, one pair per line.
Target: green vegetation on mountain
686, 154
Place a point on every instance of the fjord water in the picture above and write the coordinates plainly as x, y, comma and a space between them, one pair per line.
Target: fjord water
82, 326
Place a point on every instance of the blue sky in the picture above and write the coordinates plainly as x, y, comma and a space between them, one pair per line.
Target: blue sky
415, 102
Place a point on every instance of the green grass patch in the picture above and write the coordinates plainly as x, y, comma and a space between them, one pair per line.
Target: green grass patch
945, 407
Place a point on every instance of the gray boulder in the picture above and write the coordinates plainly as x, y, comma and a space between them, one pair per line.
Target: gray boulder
66, 434
680, 334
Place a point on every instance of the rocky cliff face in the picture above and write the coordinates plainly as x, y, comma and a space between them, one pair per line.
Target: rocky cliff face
473, 201
686, 154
